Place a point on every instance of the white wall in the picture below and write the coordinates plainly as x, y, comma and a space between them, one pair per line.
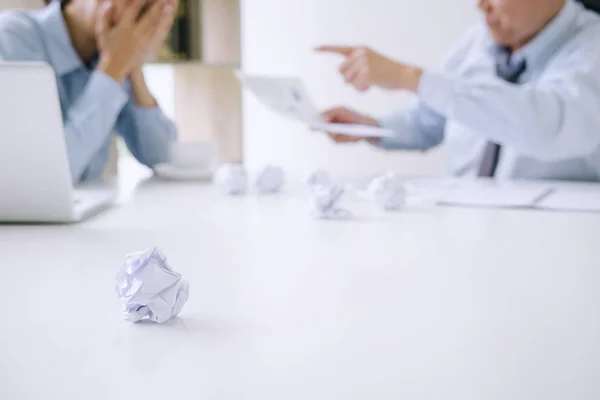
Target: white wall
278, 37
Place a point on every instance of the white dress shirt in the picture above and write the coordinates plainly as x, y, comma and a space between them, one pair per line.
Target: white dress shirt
94, 106
548, 125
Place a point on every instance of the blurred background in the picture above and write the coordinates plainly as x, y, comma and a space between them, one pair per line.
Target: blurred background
193, 78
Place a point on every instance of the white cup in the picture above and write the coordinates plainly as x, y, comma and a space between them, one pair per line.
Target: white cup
192, 154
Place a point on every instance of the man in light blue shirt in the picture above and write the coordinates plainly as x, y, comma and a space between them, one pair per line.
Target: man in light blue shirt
518, 97
97, 50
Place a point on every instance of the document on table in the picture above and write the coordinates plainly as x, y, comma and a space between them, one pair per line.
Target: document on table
289, 97
495, 196
573, 199
544, 195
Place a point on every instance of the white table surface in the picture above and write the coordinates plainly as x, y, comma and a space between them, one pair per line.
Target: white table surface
429, 303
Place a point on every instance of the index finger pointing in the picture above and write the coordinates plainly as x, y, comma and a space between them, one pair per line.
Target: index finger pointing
345, 51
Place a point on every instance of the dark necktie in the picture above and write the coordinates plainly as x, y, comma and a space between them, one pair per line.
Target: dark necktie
510, 73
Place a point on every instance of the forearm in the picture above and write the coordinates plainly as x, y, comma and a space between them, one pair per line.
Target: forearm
148, 133
543, 121
91, 120
408, 78
140, 91
417, 128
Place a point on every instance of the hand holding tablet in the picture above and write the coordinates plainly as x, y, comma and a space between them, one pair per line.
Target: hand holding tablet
288, 97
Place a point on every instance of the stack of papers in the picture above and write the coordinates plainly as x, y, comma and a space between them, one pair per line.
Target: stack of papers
506, 197
557, 196
288, 97
573, 199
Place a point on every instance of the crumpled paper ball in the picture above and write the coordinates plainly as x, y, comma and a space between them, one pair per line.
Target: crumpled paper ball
388, 192
319, 178
149, 287
270, 180
231, 179
325, 202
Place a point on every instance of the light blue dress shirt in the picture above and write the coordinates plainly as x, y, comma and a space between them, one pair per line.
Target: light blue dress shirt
548, 125
94, 106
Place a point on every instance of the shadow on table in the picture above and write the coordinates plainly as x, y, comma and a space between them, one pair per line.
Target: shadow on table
190, 324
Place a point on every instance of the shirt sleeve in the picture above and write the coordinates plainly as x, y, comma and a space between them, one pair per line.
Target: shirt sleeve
421, 127
91, 119
557, 117
147, 131
417, 128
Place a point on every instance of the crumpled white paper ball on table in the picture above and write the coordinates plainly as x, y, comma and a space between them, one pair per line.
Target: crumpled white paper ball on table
149, 287
325, 202
231, 179
270, 180
319, 178
388, 192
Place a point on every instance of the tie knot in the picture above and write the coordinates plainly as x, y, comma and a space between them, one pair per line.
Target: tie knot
507, 69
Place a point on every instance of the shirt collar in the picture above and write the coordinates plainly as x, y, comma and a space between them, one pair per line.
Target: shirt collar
541, 48
62, 55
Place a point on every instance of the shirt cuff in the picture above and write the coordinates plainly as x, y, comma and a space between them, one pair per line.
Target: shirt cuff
110, 91
147, 112
154, 119
389, 122
436, 91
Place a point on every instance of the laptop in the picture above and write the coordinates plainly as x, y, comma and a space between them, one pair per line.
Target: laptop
35, 180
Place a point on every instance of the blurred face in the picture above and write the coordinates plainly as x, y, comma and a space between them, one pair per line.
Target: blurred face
513, 23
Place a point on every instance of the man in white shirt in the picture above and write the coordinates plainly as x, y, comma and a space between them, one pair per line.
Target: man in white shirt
518, 97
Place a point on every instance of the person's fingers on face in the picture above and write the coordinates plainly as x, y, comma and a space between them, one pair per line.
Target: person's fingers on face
173, 3
132, 11
98, 7
103, 22
151, 20
118, 9
168, 16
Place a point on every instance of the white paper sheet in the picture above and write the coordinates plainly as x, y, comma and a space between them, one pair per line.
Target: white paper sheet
149, 287
231, 179
388, 192
572, 199
270, 180
288, 97
500, 196
325, 203
353, 129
